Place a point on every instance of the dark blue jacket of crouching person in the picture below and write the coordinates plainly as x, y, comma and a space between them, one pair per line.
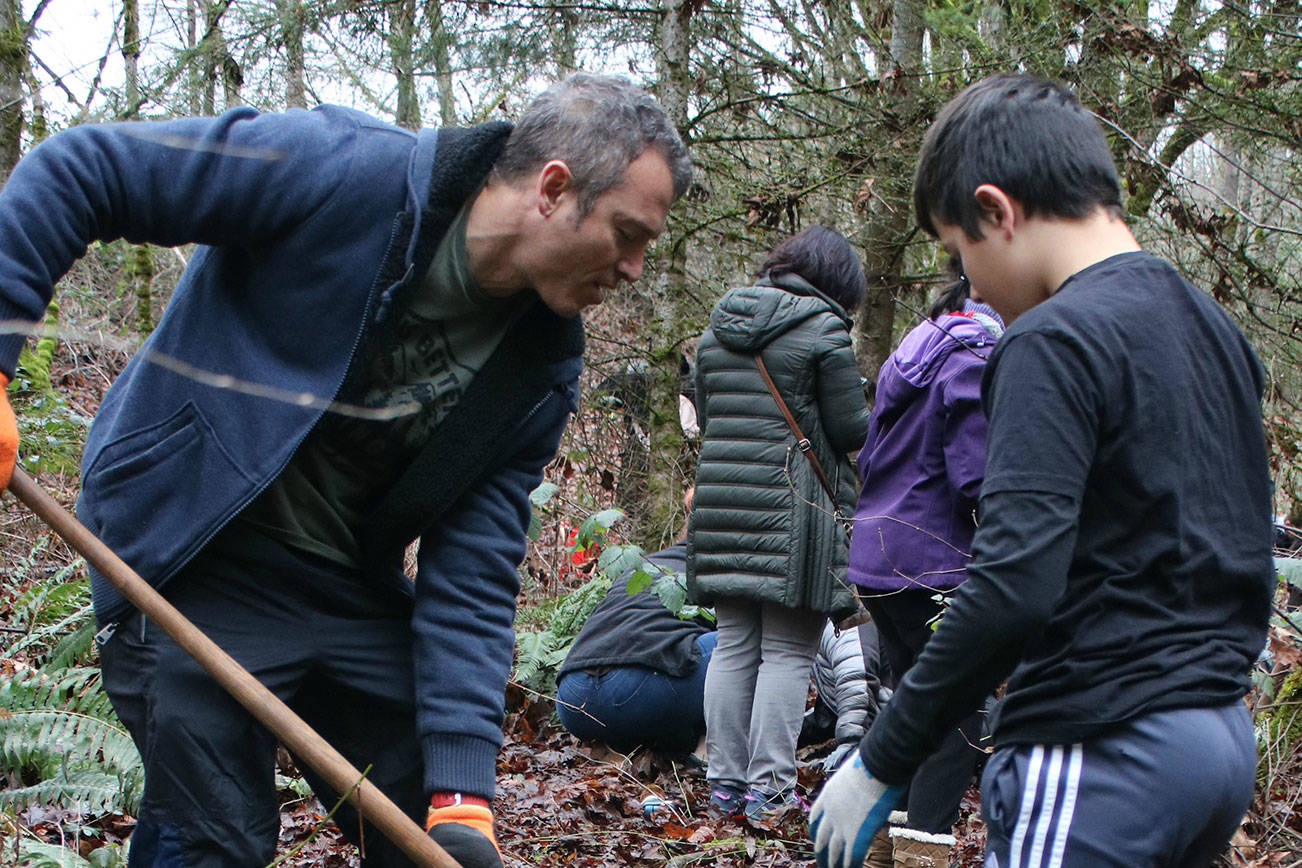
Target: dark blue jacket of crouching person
314, 228
636, 673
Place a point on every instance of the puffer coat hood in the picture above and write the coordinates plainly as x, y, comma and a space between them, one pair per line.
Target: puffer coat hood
751, 317
762, 527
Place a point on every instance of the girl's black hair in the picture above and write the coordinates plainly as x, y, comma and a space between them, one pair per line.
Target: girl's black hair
825, 259
952, 296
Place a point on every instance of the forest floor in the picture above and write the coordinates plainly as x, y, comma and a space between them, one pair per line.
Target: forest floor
567, 804
561, 802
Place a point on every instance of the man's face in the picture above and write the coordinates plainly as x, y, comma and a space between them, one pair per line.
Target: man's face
578, 259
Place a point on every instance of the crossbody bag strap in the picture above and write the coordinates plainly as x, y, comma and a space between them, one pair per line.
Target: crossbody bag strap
802, 442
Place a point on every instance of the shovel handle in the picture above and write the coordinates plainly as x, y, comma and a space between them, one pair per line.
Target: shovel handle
290, 729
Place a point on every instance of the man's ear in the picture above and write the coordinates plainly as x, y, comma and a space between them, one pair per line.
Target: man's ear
997, 208
554, 181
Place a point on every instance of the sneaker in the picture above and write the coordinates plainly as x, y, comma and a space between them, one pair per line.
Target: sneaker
761, 805
727, 800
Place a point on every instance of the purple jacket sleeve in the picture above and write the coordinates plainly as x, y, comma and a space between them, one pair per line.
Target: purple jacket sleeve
965, 427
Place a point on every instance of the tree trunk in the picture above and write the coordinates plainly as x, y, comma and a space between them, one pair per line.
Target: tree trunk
565, 38
290, 13
139, 264
440, 42
401, 32
39, 129
890, 211
131, 56
13, 66
140, 277
662, 516
195, 66
207, 57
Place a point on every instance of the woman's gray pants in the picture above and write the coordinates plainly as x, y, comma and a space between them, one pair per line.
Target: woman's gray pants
755, 693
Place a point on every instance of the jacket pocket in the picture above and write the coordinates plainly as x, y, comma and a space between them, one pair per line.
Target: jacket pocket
151, 494
125, 457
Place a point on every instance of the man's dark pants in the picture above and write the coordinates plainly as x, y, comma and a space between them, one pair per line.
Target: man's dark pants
335, 649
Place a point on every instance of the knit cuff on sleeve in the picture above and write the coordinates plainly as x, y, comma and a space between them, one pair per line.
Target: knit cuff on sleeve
457, 763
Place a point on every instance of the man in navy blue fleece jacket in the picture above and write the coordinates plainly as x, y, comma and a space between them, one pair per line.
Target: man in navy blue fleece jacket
395, 320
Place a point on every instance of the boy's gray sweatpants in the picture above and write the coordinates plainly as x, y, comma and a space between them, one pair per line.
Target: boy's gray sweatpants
1166, 789
755, 692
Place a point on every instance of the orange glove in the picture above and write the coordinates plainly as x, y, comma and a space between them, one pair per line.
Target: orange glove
8, 435
463, 825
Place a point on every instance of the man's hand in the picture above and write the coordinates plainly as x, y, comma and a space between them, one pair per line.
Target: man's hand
8, 435
463, 825
849, 811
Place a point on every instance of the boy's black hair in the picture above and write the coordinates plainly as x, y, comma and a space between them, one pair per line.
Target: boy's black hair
1028, 136
823, 257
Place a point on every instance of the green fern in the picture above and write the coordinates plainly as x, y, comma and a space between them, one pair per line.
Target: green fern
539, 653
60, 742
38, 854
573, 608
88, 791
56, 612
538, 656
58, 729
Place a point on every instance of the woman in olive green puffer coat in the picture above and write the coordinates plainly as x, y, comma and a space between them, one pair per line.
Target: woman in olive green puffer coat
764, 547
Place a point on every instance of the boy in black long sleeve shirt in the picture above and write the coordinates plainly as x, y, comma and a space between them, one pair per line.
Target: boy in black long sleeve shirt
1121, 575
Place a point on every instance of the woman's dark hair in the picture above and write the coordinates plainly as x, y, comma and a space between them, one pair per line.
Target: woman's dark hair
824, 258
1028, 136
952, 296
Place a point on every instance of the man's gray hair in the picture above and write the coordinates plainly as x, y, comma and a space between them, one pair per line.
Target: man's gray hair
596, 124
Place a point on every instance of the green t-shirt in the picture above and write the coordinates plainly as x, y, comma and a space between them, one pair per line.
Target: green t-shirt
346, 464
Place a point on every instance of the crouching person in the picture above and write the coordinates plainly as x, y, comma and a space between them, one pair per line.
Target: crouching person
636, 672
850, 687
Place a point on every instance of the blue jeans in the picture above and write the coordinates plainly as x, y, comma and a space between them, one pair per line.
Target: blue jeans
627, 706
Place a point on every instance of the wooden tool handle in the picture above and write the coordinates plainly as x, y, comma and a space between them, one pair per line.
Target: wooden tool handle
290, 729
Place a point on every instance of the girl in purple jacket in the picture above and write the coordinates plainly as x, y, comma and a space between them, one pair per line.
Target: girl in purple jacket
921, 466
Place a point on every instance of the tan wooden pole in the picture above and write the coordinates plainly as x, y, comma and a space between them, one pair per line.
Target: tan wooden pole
290, 729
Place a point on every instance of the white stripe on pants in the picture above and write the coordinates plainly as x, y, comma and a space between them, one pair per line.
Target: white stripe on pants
1048, 802
1165, 790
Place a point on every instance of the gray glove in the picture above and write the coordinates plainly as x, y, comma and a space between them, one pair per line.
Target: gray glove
836, 757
